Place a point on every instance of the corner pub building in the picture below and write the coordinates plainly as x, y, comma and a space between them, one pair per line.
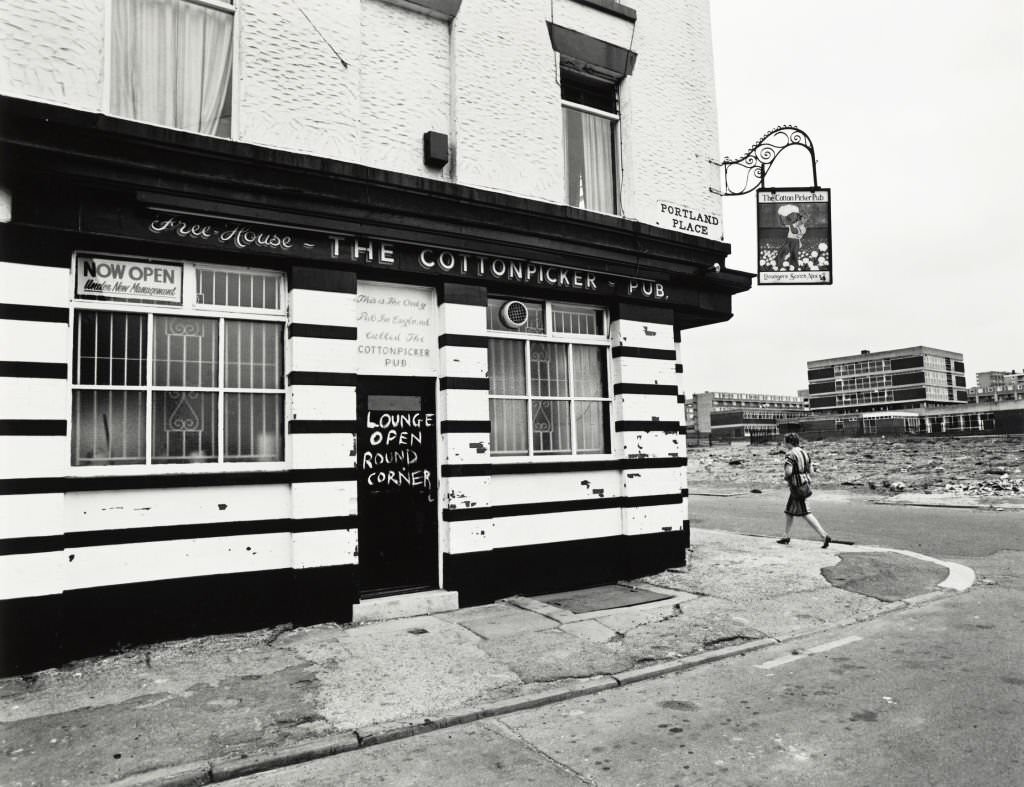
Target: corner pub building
387, 319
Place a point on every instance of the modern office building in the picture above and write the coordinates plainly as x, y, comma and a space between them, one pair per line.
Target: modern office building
904, 379
310, 305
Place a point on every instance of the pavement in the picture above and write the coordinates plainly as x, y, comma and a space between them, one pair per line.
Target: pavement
210, 709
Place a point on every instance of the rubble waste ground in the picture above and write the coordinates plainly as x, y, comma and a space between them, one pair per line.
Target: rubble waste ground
968, 467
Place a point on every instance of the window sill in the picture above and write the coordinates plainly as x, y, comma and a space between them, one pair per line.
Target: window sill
184, 468
552, 458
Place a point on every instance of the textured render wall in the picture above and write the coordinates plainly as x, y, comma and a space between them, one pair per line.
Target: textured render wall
670, 125
294, 93
508, 129
593, 21
405, 82
53, 51
508, 119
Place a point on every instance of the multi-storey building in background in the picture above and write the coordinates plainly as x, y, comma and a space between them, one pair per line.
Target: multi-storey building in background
308, 304
1004, 392
723, 415
992, 379
905, 379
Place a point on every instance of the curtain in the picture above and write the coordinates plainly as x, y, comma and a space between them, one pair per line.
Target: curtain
551, 433
588, 375
108, 427
171, 63
506, 367
508, 427
589, 379
591, 427
549, 369
589, 161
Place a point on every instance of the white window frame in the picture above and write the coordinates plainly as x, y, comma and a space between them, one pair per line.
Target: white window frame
108, 57
188, 308
550, 336
616, 119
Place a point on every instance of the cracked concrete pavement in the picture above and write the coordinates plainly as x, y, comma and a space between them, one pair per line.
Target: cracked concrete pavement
183, 712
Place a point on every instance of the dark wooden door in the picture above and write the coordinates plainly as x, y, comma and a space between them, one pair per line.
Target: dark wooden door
397, 464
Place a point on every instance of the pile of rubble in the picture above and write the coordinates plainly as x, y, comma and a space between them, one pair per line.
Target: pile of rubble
976, 467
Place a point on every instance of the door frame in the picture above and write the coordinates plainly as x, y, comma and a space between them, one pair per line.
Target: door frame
412, 385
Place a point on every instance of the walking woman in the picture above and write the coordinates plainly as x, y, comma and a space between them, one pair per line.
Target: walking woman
798, 469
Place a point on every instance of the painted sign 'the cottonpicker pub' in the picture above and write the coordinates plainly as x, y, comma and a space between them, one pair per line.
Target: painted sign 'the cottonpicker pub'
794, 236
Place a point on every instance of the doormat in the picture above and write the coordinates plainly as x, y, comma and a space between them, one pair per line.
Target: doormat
601, 597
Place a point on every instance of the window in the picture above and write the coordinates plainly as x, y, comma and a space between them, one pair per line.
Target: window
549, 389
170, 63
167, 387
590, 115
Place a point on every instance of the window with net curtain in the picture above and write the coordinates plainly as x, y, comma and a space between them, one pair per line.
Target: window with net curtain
589, 119
548, 394
163, 388
170, 63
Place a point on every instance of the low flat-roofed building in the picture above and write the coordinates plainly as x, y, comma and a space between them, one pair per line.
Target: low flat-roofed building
753, 409
955, 420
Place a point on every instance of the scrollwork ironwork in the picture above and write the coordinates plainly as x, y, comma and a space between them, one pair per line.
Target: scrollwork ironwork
752, 167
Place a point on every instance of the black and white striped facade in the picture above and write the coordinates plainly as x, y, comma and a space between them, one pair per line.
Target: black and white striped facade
99, 556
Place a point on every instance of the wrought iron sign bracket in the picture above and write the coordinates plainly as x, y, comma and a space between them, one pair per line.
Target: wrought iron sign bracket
748, 172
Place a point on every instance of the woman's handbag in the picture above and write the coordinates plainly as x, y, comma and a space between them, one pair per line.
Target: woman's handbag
802, 490
800, 484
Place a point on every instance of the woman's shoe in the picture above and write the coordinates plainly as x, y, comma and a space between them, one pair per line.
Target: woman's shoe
782, 541
828, 540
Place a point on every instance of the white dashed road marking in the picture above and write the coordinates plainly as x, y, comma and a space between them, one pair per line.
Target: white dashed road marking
838, 643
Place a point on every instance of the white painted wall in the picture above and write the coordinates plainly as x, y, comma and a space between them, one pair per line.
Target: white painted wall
362, 80
53, 51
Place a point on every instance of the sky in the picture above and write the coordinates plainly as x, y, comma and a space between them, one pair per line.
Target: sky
916, 112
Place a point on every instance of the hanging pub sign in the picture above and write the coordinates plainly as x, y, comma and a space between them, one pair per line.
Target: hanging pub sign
794, 236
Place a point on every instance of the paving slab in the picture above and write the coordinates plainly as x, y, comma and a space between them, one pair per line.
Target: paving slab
807, 611
634, 617
762, 569
112, 740
493, 621
590, 630
702, 624
377, 672
601, 598
542, 656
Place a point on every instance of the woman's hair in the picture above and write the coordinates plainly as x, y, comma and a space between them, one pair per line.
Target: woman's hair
792, 439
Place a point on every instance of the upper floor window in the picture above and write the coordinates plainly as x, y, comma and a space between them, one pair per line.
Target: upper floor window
170, 63
590, 116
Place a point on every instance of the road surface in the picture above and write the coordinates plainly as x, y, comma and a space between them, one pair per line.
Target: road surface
929, 696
